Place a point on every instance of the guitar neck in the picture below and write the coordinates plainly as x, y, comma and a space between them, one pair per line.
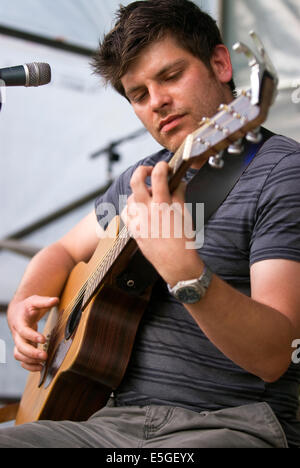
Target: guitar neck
124, 241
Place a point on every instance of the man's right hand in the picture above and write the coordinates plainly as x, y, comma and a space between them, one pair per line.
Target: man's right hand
47, 274
23, 318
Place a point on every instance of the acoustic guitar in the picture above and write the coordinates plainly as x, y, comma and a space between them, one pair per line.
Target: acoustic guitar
91, 335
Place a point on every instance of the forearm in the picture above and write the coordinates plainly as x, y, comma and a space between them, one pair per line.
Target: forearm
255, 336
46, 273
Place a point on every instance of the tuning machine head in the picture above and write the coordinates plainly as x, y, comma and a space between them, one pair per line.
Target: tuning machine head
236, 148
260, 64
217, 161
254, 136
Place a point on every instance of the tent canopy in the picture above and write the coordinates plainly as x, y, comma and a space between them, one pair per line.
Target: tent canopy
73, 21
78, 22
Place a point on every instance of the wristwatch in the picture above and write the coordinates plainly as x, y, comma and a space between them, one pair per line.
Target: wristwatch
192, 291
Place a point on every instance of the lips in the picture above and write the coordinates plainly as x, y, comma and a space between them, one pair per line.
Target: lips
170, 123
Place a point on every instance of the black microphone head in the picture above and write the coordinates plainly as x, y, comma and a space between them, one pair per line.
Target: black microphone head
37, 74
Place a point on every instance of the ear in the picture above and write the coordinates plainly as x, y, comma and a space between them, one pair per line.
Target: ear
221, 63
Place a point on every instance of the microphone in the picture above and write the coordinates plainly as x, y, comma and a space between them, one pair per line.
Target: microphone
30, 74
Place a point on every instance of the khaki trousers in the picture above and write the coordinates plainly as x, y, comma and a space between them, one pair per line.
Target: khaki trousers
249, 426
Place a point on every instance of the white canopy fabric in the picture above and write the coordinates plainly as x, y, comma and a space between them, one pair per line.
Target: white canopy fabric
278, 25
277, 22
74, 21
77, 22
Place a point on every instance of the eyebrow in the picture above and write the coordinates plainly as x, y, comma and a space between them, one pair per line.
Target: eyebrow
158, 75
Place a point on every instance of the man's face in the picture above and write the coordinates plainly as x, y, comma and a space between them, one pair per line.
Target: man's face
171, 90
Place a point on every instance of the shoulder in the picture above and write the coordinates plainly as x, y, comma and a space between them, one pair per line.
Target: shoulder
282, 144
282, 156
279, 155
276, 227
277, 148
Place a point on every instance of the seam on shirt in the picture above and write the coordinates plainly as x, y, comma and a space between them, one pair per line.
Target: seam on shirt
268, 176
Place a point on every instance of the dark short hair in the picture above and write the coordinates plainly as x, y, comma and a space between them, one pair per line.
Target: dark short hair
141, 23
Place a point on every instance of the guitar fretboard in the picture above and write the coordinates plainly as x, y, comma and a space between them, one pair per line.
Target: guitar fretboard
178, 167
95, 280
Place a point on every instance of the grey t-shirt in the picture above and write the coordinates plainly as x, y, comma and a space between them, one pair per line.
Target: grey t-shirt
173, 362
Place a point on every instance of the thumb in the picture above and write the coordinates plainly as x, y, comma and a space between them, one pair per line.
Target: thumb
34, 304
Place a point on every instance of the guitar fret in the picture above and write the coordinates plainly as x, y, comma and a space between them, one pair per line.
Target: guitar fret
102, 269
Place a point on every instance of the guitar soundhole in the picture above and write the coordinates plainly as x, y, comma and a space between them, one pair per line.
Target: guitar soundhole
73, 320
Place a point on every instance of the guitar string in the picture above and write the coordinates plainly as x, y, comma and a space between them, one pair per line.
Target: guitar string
102, 264
63, 319
123, 237
101, 269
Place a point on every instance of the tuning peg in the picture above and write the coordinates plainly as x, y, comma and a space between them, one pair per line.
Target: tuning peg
237, 147
260, 63
264, 55
217, 161
224, 107
255, 136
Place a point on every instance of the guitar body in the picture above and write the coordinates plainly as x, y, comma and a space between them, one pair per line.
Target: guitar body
82, 371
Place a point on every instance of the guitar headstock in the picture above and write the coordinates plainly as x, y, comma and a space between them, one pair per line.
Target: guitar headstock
240, 119
261, 67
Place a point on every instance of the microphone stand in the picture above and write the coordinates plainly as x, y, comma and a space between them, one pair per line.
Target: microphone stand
2, 93
1, 98
113, 155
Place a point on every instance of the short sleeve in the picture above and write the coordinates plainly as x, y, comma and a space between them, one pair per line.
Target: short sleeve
112, 202
276, 232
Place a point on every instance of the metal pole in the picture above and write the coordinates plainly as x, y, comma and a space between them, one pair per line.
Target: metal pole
56, 215
3, 308
19, 248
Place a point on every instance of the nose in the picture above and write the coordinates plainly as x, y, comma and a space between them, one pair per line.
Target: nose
159, 98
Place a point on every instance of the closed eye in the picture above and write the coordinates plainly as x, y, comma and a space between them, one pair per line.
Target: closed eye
138, 98
173, 76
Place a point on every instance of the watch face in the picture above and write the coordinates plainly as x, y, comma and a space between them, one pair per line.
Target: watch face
189, 295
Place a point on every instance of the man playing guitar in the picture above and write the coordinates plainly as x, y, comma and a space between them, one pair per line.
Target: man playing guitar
211, 369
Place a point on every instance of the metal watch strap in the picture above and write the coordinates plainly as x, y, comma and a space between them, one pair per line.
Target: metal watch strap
200, 286
206, 277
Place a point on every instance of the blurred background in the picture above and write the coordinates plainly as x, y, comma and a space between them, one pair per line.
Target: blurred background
48, 178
